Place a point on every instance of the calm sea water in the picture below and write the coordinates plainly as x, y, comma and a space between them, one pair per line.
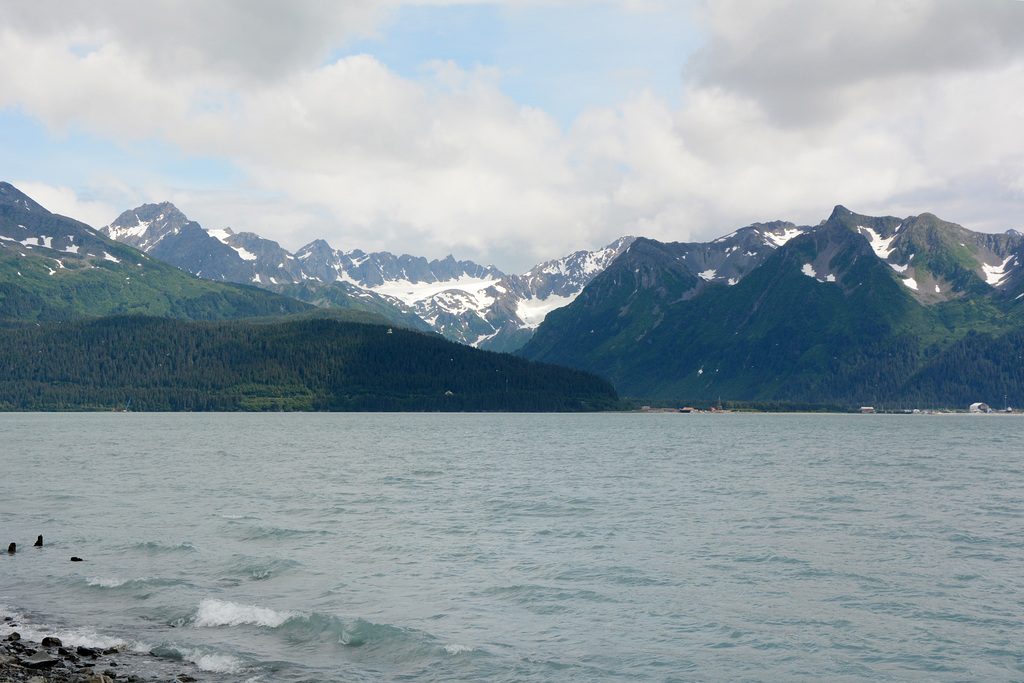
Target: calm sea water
348, 547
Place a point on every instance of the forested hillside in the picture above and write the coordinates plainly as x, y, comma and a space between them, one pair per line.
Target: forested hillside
311, 364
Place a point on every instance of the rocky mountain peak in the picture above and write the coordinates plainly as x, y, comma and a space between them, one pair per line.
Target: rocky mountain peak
13, 197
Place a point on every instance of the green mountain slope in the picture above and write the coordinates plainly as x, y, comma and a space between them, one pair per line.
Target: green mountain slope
313, 364
56, 268
824, 319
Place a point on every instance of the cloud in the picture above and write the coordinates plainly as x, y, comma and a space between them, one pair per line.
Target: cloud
807, 60
788, 109
65, 201
247, 40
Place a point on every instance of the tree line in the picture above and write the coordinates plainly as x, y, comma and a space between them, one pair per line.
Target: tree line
162, 364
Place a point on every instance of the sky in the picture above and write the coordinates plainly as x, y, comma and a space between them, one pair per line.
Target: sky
514, 131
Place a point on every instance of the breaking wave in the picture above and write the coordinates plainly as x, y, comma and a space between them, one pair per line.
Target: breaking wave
204, 659
213, 613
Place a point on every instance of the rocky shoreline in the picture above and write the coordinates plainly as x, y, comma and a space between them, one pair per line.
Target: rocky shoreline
24, 661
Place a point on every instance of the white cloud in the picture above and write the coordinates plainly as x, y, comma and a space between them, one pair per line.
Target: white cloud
791, 107
805, 60
243, 40
65, 201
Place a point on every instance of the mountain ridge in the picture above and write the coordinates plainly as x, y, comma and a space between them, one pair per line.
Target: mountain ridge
840, 312
56, 268
464, 301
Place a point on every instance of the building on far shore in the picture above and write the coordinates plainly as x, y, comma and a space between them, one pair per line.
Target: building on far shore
979, 408
867, 409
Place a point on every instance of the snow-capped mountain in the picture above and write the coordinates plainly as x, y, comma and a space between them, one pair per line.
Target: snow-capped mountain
464, 301
857, 309
56, 268
474, 304
164, 232
25, 222
939, 261
729, 258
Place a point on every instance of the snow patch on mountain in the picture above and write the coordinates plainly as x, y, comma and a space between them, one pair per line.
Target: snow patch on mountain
533, 311
412, 292
809, 271
994, 275
225, 237
121, 233
780, 237
880, 245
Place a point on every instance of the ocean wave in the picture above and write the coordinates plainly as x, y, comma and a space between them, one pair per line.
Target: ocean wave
114, 582
374, 642
155, 548
204, 659
260, 569
389, 641
257, 532
106, 583
213, 613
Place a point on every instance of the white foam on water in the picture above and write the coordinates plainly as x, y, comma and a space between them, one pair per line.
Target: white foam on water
106, 583
214, 613
213, 662
70, 638
223, 664
455, 648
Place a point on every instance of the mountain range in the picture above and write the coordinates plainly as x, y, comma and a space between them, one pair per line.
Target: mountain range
56, 268
88, 323
461, 300
858, 309
855, 310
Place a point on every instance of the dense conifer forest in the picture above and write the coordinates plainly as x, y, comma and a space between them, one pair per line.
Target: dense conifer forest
160, 364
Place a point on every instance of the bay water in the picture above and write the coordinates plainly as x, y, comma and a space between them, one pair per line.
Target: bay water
510, 547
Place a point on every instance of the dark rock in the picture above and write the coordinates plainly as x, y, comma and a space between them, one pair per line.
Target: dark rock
12, 548
50, 641
185, 678
111, 651
14, 636
110, 672
39, 542
40, 660
77, 559
85, 651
